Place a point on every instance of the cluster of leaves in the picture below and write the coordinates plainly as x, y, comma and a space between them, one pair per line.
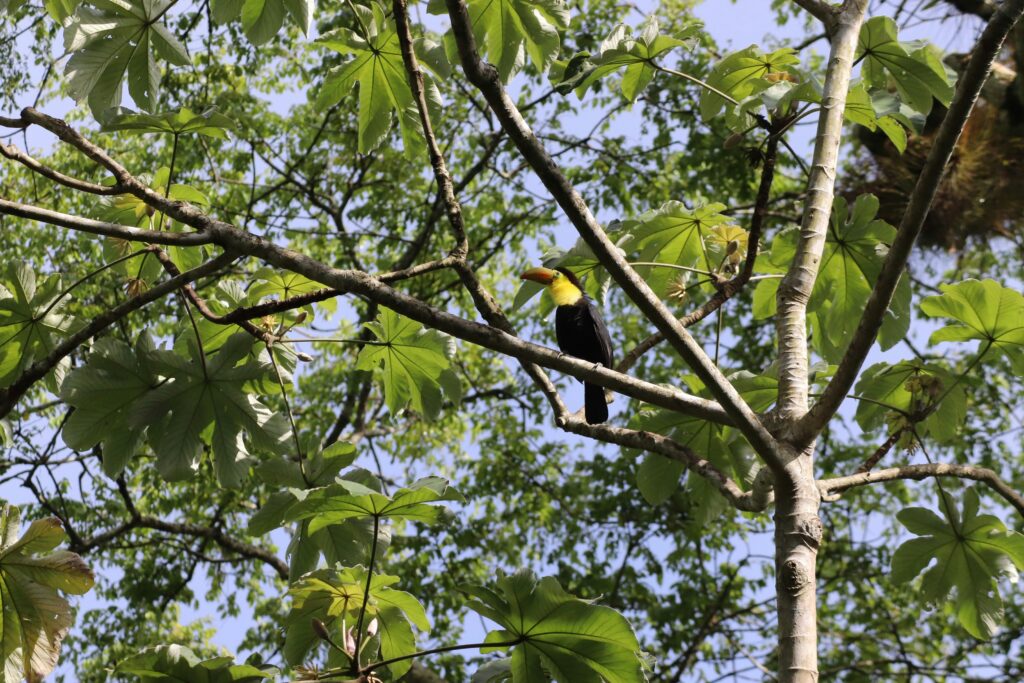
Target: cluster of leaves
359, 613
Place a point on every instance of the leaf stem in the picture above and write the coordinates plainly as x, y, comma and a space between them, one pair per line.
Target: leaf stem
366, 592
656, 264
336, 340
438, 650
693, 79
199, 339
288, 411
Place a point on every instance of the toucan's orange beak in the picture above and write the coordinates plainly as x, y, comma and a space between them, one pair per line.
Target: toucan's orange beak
545, 276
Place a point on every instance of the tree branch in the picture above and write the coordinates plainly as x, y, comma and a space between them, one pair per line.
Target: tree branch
926, 471
827, 14
969, 87
482, 299
486, 79
15, 154
116, 230
662, 445
10, 395
795, 289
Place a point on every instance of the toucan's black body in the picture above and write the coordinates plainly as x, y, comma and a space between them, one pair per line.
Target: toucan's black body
581, 332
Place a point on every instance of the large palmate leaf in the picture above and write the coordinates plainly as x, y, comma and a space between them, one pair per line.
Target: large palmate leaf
984, 310
349, 500
675, 235
410, 361
916, 70
111, 41
344, 542
970, 553
335, 597
178, 664
204, 400
102, 392
509, 30
377, 68
210, 122
911, 390
31, 321
743, 73
34, 618
556, 635
855, 248
622, 52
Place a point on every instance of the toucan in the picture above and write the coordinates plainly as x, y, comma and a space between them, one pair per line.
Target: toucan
579, 330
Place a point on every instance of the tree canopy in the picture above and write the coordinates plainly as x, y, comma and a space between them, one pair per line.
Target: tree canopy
265, 356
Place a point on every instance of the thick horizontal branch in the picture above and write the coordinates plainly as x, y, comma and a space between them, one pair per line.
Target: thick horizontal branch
967, 91
927, 471
487, 80
10, 395
357, 282
116, 230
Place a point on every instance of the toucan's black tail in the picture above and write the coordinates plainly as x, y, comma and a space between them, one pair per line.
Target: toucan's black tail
596, 408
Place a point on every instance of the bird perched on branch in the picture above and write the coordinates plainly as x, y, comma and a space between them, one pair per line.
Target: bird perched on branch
579, 329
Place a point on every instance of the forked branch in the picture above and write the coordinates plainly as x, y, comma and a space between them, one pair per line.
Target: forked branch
967, 91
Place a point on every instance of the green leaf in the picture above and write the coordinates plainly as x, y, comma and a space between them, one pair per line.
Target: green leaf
658, 477
742, 73
509, 30
970, 552
272, 282
618, 52
911, 388
205, 401
178, 664
59, 10
573, 640
984, 310
210, 122
102, 392
111, 42
916, 71
855, 248
377, 67
34, 618
410, 361
31, 320
347, 500
262, 19
675, 235
335, 597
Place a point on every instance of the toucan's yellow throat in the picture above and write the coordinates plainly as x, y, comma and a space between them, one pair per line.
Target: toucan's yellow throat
560, 287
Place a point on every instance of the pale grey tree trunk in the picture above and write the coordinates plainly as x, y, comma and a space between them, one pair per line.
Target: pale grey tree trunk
797, 499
